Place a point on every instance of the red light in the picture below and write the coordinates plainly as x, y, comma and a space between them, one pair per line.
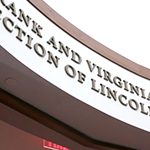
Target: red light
53, 146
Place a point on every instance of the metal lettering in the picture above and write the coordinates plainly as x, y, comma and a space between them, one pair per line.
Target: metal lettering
8, 24
36, 28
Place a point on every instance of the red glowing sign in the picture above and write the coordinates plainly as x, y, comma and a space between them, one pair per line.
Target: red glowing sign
53, 146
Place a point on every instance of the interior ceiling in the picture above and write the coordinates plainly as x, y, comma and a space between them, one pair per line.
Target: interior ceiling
31, 134
28, 86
